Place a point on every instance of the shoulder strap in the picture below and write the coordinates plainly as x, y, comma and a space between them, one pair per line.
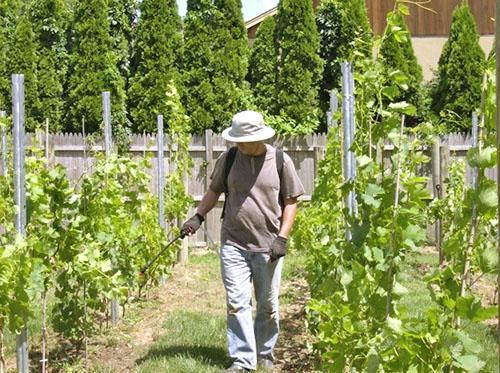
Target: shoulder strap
231, 155
279, 167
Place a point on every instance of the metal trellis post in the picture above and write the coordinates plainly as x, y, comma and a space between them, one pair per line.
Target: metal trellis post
3, 134
348, 131
161, 172
108, 146
106, 117
19, 195
475, 132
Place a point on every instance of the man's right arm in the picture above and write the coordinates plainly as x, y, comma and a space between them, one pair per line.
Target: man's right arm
207, 203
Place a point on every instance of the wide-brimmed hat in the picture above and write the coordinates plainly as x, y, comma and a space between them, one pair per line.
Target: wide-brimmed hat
248, 126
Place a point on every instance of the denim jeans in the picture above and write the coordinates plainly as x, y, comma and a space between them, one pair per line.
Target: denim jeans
248, 340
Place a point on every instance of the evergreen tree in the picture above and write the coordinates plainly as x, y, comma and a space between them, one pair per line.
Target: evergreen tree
299, 65
198, 92
158, 45
50, 24
262, 66
22, 60
215, 62
122, 14
457, 90
340, 23
93, 69
398, 54
10, 11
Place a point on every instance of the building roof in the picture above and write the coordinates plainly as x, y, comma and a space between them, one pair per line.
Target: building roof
261, 17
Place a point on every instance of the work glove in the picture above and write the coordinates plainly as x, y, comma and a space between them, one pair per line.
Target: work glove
278, 248
192, 225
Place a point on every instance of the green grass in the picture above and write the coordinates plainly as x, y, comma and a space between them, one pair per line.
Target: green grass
418, 300
191, 342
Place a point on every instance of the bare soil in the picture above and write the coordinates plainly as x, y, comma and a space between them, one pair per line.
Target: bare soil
189, 287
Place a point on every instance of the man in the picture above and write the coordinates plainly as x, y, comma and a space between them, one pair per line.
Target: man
260, 208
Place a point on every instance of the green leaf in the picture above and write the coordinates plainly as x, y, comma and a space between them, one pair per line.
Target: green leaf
488, 196
363, 161
346, 277
470, 363
399, 289
394, 324
470, 345
484, 158
372, 361
468, 307
403, 107
489, 260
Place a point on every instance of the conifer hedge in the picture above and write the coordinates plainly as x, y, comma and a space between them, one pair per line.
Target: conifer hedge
262, 66
21, 59
50, 19
399, 55
93, 69
457, 90
299, 65
344, 27
9, 15
215, 62
155, 63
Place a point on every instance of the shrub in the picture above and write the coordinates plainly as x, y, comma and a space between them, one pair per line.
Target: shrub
122, 15
398, 54
214, 63
9, 13
340, 23
262, 66
50, 25
158, 45
299, 65
93, 69
457, 90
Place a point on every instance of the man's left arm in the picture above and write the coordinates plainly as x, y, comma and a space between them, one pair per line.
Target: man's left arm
288, 217
278, 248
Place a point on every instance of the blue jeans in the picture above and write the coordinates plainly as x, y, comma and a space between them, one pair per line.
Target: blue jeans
248, 341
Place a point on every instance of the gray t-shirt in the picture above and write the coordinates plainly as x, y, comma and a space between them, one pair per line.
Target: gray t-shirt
253, 213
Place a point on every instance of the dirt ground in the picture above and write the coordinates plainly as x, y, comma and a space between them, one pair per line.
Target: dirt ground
189, 287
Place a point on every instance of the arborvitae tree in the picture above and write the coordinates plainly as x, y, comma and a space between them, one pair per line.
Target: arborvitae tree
198, 92
93, 69
158, 46
340, 23
22, 60
122, 14
262, 66
50, 24
215, 62
398, 54
231, 59
10, 11
460, 72
299, 65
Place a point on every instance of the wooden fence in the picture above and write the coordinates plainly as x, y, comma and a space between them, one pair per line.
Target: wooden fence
78, 157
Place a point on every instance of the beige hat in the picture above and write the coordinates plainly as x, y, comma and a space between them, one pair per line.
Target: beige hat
248, 126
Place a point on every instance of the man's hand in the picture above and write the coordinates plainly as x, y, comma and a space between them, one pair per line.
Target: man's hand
278, 248
192, 225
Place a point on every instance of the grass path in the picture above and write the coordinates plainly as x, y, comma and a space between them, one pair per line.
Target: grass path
181, 327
